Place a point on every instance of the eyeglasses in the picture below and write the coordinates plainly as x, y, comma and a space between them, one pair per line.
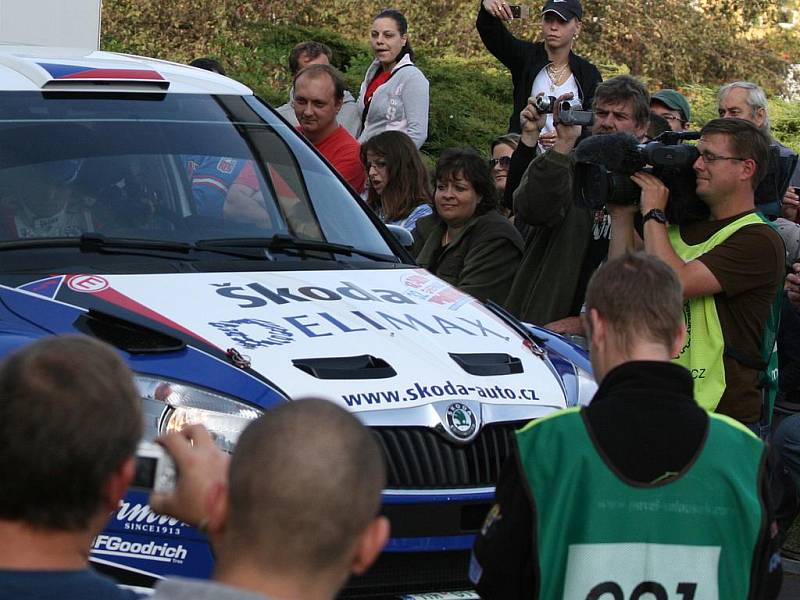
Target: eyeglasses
710, 158
503, 161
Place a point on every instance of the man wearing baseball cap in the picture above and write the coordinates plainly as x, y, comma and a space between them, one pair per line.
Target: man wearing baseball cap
672, 106
549, 67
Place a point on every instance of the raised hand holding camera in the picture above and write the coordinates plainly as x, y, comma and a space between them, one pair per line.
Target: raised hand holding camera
531, 123
203, 472
567, 133
503, 10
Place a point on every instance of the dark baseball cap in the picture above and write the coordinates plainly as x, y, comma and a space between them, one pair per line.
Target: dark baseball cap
674, 100
566, 9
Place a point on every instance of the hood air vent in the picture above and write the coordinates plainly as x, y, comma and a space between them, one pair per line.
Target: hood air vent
363, 366
488, 365
127, 336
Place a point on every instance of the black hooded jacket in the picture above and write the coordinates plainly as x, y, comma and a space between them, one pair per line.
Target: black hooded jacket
525, 60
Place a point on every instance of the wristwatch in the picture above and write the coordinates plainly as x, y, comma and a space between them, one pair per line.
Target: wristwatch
656, 214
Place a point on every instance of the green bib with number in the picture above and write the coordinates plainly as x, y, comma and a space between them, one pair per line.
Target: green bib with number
703, 350
600, 537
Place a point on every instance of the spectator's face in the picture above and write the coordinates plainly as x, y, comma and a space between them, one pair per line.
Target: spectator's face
616, 117
377, 173
501, 157
456, 200
315, 104
386, 41
717, 179
558, 33
673, 117
306, 61
733, 105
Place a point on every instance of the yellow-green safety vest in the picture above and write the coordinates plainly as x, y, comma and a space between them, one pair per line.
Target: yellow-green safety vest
703, 350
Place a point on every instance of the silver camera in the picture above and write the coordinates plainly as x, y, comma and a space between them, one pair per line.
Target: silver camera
546, 104
155, 469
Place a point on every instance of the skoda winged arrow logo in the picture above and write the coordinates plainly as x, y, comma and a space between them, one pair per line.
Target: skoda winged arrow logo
461, 421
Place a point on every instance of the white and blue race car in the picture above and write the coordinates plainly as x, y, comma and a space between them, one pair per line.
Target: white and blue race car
171, 213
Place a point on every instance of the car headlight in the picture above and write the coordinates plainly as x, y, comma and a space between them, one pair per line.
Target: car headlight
224, 417
587, 386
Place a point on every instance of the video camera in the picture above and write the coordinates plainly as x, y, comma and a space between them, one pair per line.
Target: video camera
570, 111
604, 164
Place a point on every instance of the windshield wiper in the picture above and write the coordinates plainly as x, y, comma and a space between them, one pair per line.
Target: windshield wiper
258, 247
95, 242
280, 242
98, 243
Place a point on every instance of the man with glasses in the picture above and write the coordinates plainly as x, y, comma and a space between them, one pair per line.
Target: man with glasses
731, 268
672, 106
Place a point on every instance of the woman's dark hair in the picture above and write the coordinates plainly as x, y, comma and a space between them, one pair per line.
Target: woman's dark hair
407, 185
402, 27
468, 164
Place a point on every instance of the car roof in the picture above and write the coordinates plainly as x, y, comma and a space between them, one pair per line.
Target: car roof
43, 68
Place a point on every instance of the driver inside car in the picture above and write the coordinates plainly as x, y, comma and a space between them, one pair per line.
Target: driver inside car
42, 202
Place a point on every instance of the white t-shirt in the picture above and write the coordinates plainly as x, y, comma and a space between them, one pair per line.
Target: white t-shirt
543, 84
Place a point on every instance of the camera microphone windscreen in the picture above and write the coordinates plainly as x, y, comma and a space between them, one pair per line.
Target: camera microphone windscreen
618, 152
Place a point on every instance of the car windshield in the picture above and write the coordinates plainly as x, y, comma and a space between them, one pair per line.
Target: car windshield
196, 172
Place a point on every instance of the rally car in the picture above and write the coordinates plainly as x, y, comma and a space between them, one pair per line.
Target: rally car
171, 213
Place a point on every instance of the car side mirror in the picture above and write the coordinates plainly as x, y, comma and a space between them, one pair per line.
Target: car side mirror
402, 235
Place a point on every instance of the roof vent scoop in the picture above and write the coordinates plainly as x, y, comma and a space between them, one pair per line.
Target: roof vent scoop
488, 364
363, 366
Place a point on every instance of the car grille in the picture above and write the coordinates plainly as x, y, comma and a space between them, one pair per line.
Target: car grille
419, 457
397, 573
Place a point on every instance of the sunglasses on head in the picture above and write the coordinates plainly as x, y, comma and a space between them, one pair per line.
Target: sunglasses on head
503, 161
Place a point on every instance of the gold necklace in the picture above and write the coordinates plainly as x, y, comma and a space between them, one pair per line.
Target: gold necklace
557, 75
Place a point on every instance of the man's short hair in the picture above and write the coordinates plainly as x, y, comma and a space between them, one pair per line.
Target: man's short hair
315, 71
640, 296
305, 481
756, 99
70, 416
746, 141
623, 88
208, 64
311, 49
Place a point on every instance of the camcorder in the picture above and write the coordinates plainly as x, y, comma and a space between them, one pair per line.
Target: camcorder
155, 469
570, 111
604, 164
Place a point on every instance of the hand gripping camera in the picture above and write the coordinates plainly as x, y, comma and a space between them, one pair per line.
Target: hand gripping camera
570, 111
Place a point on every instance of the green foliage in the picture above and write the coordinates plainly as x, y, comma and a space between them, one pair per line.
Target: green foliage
667, 43
470, 103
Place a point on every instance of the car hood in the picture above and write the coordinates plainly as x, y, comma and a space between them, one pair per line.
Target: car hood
367, 339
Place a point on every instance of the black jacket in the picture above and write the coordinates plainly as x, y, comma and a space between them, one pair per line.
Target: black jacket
525, 60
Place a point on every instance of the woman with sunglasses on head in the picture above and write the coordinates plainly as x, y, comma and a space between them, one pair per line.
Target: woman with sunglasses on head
549, 67
394, 94
398, 181
467, 242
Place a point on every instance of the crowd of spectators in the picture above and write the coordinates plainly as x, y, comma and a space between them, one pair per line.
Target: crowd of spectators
509, 229
680, 317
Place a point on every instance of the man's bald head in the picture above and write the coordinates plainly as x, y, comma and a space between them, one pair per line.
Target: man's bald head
305, 482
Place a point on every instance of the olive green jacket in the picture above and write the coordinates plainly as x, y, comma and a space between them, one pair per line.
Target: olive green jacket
548, 279
481, 259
